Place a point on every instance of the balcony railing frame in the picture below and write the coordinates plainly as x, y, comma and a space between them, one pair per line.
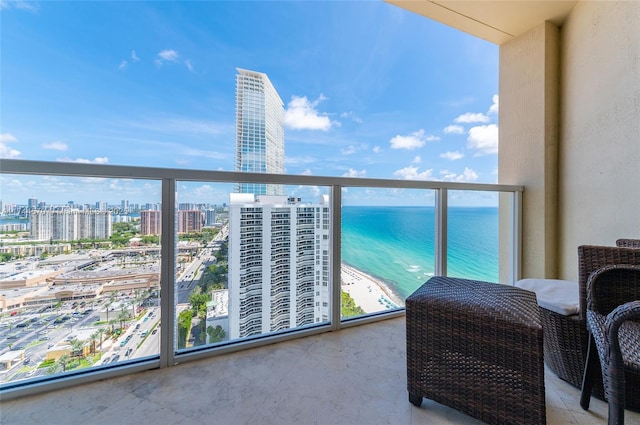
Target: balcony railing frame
168, 178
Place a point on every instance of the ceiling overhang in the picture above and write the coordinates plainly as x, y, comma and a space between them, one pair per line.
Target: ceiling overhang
491, 20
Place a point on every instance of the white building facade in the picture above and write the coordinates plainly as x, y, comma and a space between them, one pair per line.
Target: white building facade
278, 264
259, 130
68, 224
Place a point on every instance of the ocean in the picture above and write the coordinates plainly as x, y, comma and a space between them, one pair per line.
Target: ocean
396, 244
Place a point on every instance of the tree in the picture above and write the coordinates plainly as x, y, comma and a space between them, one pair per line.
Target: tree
184, 325
216, 334
349, 307
112, 299
76, 348
63, 361
94, 336
123, 316
101, 331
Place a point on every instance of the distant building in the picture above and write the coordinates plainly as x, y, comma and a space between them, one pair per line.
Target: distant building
278, 263
209, 217
190, 221
32, 203
150, 222
259, 130
68, 224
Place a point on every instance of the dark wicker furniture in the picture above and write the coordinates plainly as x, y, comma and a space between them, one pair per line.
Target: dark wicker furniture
613, 320
566, 338
476, 347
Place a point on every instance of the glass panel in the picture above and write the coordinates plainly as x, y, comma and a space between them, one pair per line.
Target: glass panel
472, 249
250, 265
79, 279
387, 247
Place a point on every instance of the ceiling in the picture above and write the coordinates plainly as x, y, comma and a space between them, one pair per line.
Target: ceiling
491, 20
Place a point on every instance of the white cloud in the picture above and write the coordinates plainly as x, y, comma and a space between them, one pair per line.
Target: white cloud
377, 149
299, 160
20, 4
495, 106
417, 139
454, 129
470, 117
354, 173
467, 176
306, 172
349, 150
412, 173
6, 151
187, 63
7, 138
96, 160
351, 116
167, 55
301, 114
134, 57
417, 160
483, 139
452, 155
123, 65
56, 146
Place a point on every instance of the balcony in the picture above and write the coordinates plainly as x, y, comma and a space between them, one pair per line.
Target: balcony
356, 376
574, 150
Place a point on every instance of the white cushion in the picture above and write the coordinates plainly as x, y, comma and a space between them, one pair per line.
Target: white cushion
560, 296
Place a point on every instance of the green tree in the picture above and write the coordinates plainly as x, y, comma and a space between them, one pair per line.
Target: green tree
184, 325
63, 361
76, 348
216, 334
349, 307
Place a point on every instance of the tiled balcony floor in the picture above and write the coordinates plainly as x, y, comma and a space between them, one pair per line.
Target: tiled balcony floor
356, 376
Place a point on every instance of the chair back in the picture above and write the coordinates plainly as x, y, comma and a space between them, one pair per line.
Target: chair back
593, 257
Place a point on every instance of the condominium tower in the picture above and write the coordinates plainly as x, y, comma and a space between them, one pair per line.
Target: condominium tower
68, 224
278, 263
259, 130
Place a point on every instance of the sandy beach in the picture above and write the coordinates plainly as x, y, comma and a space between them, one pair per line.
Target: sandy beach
368, 292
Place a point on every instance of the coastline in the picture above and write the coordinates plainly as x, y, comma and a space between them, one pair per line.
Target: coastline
369, 293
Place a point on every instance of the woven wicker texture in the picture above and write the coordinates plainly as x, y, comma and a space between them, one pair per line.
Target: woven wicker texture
566, 337
476, 347
613, 318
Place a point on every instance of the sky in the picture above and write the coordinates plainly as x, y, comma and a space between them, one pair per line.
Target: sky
369, 90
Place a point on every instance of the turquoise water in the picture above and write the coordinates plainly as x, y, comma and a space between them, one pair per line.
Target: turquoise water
396, 244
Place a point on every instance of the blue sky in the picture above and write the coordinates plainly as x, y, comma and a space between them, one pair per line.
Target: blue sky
369, 89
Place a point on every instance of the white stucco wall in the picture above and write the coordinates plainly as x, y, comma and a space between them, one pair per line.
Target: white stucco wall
599, 158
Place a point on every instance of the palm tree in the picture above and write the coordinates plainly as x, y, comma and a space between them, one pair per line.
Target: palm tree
76, 348
93, 338
63, 361
101, 331
112, 299
123, 316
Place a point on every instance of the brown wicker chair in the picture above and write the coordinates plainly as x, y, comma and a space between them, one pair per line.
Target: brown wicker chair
613, 310
476, 347
566, 338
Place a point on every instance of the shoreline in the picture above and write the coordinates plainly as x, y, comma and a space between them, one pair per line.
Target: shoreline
369, 293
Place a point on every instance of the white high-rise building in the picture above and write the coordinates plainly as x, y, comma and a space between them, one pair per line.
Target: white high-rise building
278, 263
259, 130
69, 224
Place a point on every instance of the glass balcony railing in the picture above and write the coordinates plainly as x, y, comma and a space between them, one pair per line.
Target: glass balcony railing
150, 266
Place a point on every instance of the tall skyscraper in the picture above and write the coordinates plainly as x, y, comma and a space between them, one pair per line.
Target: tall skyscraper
150, 222
259, 130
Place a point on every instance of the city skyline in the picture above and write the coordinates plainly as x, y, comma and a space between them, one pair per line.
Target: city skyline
369, 90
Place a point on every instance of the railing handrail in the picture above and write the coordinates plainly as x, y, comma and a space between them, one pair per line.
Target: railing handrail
51, 168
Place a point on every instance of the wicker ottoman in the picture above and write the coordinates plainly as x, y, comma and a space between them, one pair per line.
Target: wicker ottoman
476, 347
